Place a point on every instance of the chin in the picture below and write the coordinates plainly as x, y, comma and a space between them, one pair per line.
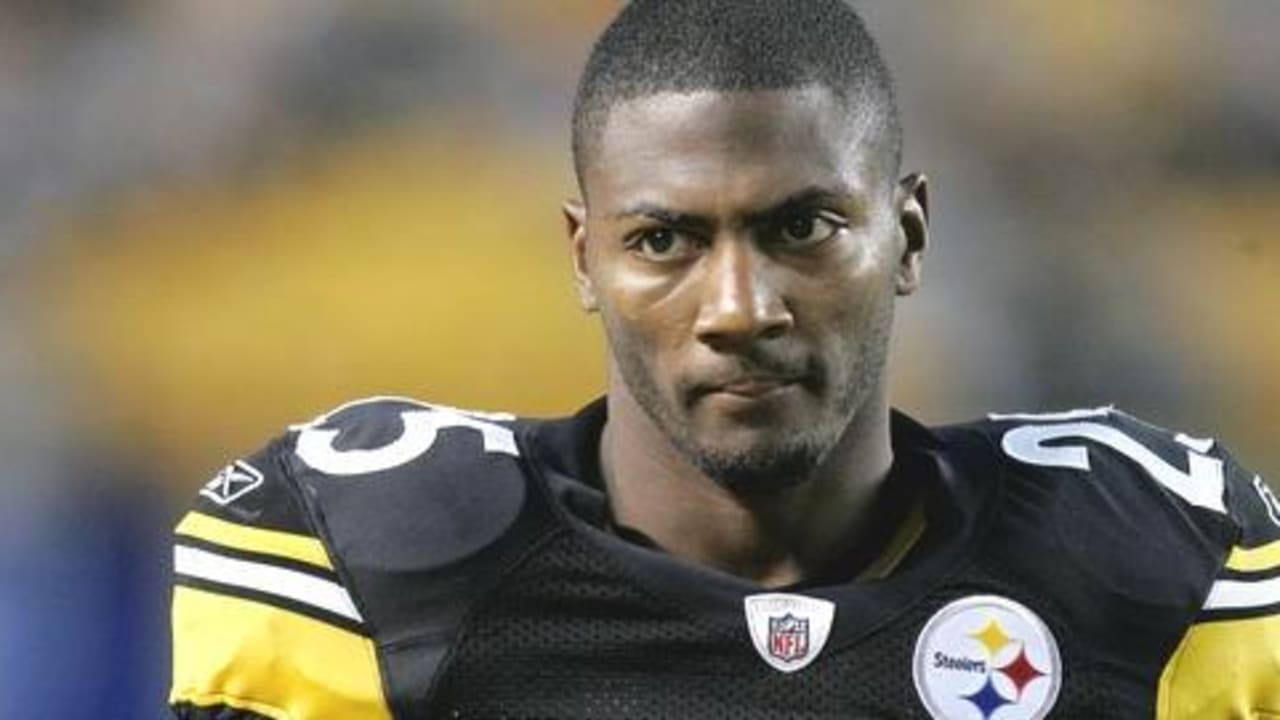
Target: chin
758, 469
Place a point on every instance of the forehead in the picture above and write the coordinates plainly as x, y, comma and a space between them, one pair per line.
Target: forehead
716, 146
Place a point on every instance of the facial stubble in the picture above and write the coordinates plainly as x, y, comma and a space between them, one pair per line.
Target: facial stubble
786, 456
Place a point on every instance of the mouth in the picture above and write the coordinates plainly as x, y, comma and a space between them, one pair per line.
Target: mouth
753, 387
747, 387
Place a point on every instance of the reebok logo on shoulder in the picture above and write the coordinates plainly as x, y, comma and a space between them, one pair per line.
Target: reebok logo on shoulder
232, 483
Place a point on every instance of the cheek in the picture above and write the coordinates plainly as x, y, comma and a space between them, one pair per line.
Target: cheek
647, 312
848, 289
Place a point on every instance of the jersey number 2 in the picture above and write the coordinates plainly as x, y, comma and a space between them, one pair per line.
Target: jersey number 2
1201, 484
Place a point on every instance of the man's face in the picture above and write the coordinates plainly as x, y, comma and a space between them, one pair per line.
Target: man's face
744, 250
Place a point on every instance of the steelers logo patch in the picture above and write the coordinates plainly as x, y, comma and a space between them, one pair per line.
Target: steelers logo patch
987, 658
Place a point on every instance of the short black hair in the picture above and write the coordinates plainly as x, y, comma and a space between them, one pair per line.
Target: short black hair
656, 46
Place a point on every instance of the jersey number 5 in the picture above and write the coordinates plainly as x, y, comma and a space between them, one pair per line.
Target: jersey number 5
421, 426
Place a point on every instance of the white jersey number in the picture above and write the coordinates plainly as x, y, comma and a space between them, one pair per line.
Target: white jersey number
1201, 484
421, 426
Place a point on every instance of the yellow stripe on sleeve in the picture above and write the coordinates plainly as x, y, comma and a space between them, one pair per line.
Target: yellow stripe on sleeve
242, 537
1223, 669
285, 666
1263, 557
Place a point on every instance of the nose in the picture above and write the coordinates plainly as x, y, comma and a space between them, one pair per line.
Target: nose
741, 301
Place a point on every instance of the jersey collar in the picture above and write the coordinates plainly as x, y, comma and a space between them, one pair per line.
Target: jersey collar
951, 481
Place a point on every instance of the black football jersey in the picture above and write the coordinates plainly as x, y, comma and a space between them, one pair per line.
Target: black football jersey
394, 559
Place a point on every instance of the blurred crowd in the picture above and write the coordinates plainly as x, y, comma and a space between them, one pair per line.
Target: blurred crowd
219, 218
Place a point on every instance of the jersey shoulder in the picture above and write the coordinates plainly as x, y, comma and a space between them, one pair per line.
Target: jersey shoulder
368, 467
384, 483
295, 561
1122, 453
1127, 509
382, 465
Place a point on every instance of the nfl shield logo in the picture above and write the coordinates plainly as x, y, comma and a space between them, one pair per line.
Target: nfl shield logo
788, 631
788, 637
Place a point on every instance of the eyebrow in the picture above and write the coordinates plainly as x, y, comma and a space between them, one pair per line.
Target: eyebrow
805, 198
666, 216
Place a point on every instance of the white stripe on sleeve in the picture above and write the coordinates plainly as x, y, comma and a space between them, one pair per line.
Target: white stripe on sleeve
1240, 594
281, 582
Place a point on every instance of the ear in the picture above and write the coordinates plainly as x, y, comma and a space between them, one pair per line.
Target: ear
913, 223
575, 218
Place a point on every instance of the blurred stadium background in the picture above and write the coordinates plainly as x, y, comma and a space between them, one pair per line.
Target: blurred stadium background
218, 218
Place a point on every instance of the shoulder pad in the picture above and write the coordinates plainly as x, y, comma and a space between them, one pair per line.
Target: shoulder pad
402, 484
1119, 498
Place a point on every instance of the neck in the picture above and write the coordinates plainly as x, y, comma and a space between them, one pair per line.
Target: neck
773, 538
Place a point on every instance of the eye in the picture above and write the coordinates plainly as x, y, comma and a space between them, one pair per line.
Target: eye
661, 245
807, 228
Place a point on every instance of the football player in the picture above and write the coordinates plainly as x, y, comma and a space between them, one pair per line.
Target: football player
741, 527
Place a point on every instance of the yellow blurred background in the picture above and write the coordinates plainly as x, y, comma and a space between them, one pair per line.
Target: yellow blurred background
220, 218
